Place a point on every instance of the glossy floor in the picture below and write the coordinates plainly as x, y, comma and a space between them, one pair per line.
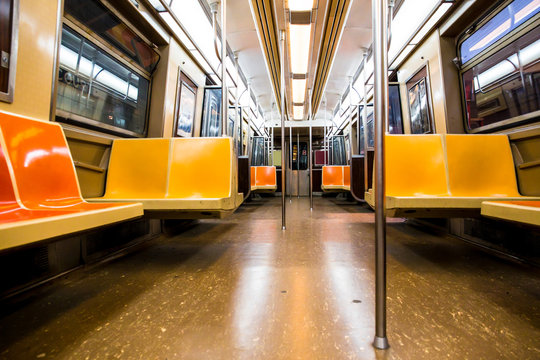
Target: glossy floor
240, 288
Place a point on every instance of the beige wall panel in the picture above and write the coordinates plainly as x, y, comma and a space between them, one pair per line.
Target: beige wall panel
454, 113
165, 79
428, 52
33, 81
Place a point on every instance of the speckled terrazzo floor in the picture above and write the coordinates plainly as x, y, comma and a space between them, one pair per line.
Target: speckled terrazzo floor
240, 288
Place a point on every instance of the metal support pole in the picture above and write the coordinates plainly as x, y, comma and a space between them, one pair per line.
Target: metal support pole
272, 140
350, 120
224, 92
291, 162
237, 121
298, 164
310, 156
380, 65
282, 93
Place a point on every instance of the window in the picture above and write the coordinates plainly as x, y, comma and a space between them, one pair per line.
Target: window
370, 126
211, 118
96, 89
303, 163
339, 156
185, 106
101, 21
506, 86
500, 76
419, 104
8, 47
395, 120
257, 151
504, 22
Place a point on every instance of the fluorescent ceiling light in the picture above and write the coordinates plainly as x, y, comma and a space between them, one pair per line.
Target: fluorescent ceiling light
299, 45
298, 112
299, 90
410, 16
300, 5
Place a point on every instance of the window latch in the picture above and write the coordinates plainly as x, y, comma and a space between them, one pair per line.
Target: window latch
5, 60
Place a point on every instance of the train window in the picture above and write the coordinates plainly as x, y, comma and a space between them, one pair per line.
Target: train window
339, 156
505, 87
419, 103
300, 158
185, 106
257, 151
101, 21
211, 118
370, 126
504, 22
8, 47
395, 120
96, 89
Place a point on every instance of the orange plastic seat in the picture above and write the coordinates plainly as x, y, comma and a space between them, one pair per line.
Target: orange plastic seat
336, 178
38, 201
263, 178
526, 212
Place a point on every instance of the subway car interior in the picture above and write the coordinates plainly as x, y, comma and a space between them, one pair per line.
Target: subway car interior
270, 179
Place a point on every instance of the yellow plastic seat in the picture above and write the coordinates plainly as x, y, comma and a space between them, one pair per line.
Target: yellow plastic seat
336, 178
175, 178
263, 178
526, 212
425, 179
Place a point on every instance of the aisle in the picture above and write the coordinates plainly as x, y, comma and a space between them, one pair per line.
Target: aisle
240, 288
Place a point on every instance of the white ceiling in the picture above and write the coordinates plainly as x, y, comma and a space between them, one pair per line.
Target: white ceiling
243, 39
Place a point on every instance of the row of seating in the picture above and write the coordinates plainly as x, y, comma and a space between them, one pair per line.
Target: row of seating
263, 179
40, 197
336, 178
39, 191
447, 175
177, 178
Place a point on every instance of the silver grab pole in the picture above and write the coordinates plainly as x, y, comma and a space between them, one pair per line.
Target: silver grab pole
282, 93
310, 155
291, 161
224, 101
380, 66
350, 121
272, 140
298, 164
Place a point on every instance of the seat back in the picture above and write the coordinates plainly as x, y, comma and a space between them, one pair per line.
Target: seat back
138, 169
41, 161
7, 191
201, 168
253, 175
332, 175
480, 166
265, 176
347, 175
415, 166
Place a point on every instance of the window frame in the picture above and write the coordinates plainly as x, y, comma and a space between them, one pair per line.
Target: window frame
184, 79
410, 83
8, 96
79, 120
492, 49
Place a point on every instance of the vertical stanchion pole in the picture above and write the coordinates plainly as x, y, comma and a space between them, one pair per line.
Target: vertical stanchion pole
224, 92
298, 164
325, 134
350, 121
291, 161
282, 93
310, 156
380, 65
249, 146
272, 140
